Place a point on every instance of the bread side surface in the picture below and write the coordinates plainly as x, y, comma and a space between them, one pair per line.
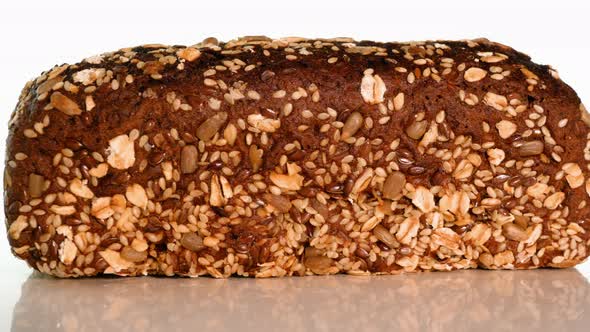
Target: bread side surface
261, 157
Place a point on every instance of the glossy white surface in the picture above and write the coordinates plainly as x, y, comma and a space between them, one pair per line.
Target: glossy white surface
544, 300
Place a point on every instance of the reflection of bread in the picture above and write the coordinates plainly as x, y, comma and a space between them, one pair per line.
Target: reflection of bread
461, 301
262, 157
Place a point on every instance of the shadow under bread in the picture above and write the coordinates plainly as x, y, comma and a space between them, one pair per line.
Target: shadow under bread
551, 300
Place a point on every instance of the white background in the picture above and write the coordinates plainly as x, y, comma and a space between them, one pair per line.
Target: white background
34, 36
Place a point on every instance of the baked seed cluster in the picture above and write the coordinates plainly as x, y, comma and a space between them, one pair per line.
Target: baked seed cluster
266, 158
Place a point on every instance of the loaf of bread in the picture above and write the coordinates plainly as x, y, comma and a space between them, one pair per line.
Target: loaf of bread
261, 157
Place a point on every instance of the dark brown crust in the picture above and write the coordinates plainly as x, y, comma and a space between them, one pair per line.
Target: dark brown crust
494, 161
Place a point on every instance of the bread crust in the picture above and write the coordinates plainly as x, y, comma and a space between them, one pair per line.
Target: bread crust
261, 157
